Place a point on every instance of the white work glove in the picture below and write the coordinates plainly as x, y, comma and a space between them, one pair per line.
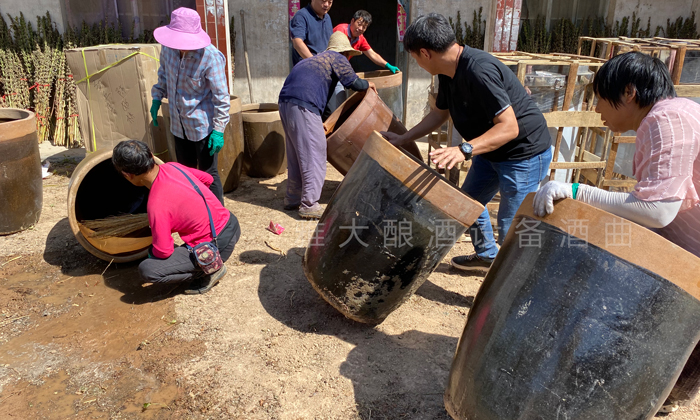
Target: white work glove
543, 204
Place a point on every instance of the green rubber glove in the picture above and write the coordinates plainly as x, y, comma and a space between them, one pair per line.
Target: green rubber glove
393, 69
216, 142
155, 106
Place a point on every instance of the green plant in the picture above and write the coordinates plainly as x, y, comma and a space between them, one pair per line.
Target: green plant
34, 74
534, 38
679, 29
470, 35
563, 37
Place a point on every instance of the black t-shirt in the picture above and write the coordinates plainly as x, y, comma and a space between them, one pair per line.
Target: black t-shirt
482, 88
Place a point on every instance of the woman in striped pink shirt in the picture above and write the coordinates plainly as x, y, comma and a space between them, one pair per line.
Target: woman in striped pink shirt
635, 92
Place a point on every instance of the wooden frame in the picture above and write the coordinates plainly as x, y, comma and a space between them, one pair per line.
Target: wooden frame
672, 52
585, 162
443, 135
656, 47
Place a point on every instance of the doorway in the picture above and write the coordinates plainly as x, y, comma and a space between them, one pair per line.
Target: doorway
381, 34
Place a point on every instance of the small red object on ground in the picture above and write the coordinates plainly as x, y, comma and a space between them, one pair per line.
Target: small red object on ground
275, 228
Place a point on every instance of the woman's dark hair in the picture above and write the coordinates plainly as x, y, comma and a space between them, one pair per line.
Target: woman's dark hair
431, 31
133, 157
647, 75
364, 15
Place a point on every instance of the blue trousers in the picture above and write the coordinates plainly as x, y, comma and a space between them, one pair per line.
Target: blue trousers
514, 180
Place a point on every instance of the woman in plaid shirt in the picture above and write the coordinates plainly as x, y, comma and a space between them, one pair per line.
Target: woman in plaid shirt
192, 76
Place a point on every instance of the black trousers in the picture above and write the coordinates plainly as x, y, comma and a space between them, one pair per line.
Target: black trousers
181, 266
195, 154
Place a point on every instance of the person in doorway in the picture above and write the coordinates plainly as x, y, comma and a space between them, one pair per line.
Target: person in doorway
175, 206
302, 100
310, 30
192, 75
635, 92
507, 137
355, 31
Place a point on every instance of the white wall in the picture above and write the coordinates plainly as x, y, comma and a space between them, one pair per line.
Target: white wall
267, 38
33, 8
659, 11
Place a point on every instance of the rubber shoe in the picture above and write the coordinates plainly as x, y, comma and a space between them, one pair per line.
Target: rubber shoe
467, 262
207, 282
289, 207
668, 408
314, 212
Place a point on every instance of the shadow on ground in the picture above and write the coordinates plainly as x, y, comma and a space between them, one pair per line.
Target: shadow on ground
433, 292
64, 251
394, 376
272, 196
472, 272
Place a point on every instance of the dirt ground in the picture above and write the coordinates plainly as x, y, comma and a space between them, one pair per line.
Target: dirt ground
80, 338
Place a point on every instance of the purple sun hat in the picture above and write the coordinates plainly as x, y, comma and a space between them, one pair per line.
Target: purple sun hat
184, 32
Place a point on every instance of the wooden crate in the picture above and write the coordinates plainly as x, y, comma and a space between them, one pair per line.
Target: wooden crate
605, 45
675, 53
584, 120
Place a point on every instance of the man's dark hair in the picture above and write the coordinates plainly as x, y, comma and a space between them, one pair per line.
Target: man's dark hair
431, 31
364, 15
133, 157
647, 75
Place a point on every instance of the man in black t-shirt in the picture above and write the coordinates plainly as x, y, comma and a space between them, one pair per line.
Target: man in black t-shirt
507, 136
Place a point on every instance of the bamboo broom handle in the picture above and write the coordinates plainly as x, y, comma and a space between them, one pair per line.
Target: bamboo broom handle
245, 54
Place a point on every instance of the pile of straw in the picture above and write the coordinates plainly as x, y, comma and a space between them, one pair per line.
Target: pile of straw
116, 226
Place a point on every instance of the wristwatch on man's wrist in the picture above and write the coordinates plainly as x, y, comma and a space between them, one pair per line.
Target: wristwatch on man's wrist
466, 149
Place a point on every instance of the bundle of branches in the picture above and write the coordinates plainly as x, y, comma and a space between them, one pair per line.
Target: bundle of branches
13, 77
73, 136
534, 37
43, 82
470, 35
116, 226
630, 27
233, 46
565, 36
680, 29
102, 32
46, 54
59, 101
34, 74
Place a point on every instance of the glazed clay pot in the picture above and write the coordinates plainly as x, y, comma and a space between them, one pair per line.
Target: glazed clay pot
230, 163
353, 122
21, 192
96, 191
389, 87
355, 261
594, 322
265, 154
